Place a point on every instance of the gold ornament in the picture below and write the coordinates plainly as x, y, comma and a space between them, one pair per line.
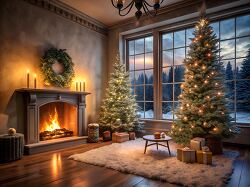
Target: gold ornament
11, 131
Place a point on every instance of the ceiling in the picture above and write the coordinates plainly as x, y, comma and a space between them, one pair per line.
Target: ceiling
103, 11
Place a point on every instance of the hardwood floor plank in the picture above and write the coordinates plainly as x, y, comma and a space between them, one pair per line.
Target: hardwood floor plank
54, 169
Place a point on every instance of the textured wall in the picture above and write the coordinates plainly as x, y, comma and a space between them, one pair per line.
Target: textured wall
26, 32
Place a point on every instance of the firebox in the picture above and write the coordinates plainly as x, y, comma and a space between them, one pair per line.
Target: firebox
57, 120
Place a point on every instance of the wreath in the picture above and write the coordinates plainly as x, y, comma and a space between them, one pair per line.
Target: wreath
57, 68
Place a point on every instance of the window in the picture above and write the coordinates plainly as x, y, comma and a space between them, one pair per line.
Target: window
234, 43
141, 74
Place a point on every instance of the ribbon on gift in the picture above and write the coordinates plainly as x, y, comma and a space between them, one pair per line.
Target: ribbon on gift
205, 149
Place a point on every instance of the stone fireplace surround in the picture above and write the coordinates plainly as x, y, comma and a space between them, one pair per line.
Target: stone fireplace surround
32, 100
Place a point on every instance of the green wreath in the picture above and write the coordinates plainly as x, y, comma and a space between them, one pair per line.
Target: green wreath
57, 68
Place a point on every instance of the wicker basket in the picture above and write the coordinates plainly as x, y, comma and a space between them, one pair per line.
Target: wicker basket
93, 132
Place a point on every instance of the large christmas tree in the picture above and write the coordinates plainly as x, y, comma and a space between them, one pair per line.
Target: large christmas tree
202, 109
118, 112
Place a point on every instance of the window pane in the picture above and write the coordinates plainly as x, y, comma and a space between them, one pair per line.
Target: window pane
167, 41
167, 58
139, 62
139, 91
243, 91
140, 111
243, 25
179, 73
149, 44
132, 90
176, 106
132, 77
227, 29
229, 69
179, 56
243, 68
179, 39
189, 36
149, 93
243, 112
227, 49
187, 50
242, 47
230, 107
149, 110
139, 77
148, 60
177, 91
216, 30
139, 46
149, 79
167, 110
167, 75
131, 63
131, 45
167, 92
229, 91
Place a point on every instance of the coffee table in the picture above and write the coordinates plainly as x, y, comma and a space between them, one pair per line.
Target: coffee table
151, 138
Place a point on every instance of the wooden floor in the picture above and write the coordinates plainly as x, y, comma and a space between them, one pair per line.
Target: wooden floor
54, 169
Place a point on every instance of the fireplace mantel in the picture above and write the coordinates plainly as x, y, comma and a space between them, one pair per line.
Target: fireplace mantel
33, 99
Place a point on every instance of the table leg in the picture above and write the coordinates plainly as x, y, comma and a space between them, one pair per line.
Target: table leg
146, 144
157, 145
168, 149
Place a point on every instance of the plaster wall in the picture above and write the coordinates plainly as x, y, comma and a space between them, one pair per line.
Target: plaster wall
26, 31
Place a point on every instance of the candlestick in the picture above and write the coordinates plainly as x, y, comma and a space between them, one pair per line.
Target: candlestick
84, 86
28, 78
80, 86
35, 81
76, 86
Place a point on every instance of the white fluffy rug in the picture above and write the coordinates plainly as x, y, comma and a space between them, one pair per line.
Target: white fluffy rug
156, 164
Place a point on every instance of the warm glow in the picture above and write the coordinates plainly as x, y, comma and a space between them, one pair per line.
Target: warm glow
53, 122
28, 71
35, 75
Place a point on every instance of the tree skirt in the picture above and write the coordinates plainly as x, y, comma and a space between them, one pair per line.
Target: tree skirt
156, 164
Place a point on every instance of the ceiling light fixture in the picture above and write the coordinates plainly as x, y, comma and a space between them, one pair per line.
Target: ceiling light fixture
139, 4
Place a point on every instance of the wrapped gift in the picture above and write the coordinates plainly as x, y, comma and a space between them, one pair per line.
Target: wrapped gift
186, 155
131, 136
204, 157
197, 143
120, 137
106, 136
157, 135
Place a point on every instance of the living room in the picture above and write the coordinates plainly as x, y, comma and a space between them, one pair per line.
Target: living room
125, 93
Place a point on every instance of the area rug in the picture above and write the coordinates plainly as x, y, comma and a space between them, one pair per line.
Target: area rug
157, 164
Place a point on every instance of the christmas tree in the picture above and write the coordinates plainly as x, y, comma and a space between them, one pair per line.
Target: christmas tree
118, 112
202, 110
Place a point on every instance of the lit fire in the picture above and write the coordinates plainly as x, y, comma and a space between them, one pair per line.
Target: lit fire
53, 122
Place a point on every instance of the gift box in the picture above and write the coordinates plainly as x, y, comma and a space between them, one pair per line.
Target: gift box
197, 143
131, 136
106, 136
120, 137
204, 157
186, 155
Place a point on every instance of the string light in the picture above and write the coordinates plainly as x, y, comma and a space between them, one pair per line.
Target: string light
200, 111
182, 85
195, 64
209, 54
187, 105
195, 86
205, 81
208, 97
212, 73
181, 108
203, 67
219, 93
216, 84
185, 118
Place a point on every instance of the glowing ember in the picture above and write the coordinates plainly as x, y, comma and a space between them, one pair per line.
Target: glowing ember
53, 123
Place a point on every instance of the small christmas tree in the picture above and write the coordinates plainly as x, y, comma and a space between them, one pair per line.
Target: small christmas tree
118, 112
202, 109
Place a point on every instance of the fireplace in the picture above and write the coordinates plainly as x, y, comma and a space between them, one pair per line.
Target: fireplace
57, 120
52, 119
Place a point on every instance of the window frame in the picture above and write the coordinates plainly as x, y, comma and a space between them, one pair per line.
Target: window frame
157, 34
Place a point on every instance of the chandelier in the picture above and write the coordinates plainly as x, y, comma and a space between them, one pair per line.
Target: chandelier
139, 4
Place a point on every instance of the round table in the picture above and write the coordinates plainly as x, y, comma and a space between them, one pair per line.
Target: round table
151, 138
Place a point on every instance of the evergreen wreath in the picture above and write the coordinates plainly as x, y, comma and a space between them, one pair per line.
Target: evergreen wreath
62, 79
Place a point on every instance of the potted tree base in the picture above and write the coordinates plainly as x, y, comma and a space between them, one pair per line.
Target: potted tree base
215, 144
